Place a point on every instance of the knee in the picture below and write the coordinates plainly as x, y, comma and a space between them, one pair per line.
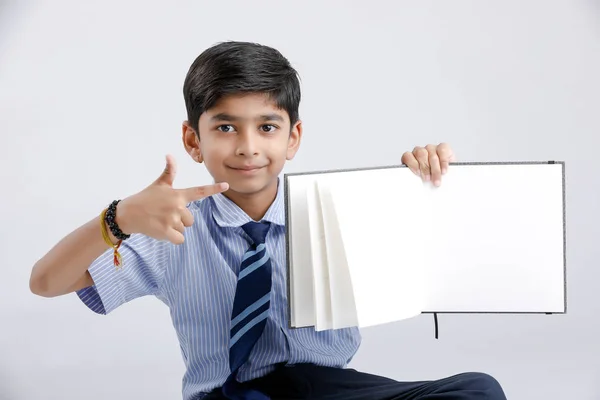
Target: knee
486, 384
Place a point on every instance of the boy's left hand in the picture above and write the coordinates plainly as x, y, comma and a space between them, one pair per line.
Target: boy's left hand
429, 162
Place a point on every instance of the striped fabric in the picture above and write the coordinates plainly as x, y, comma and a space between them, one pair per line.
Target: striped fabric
197, 281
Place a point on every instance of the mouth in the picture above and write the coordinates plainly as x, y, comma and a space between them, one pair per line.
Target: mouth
247, 169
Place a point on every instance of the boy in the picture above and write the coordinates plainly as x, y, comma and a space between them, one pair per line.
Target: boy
215, 255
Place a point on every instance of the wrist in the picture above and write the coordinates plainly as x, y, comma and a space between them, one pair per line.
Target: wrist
112, 237
124, 216
117, 221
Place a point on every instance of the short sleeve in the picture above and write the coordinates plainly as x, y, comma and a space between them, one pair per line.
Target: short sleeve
144, 262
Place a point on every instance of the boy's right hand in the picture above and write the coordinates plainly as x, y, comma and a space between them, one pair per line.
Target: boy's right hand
160, 211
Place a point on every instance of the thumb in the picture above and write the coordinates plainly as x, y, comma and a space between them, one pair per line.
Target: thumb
168, 174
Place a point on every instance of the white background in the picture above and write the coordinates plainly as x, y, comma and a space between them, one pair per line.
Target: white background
90, 103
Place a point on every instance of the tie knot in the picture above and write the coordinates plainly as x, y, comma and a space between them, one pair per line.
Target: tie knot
257, 231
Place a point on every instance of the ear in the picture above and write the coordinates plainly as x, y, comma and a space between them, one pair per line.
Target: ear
191, 141
294, 140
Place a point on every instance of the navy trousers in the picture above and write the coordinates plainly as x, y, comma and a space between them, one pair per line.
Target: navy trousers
307, 381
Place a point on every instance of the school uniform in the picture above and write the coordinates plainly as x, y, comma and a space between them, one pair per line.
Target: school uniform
221, 329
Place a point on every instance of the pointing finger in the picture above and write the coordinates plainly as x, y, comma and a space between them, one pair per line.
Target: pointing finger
200, 192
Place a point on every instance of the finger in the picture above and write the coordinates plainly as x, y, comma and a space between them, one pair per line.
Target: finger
175, 236
446, 156
187, 218
422, 156
444, 165
434, 165
168, 174
411, 162
200, 192
179, 227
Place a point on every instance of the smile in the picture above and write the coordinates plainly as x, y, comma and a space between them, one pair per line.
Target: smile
247, 170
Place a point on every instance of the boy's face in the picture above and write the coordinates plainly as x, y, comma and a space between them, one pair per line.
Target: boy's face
244, 141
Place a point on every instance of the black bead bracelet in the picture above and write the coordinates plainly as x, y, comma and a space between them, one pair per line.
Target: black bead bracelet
111, 214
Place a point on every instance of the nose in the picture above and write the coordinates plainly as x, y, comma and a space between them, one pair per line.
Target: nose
247, 144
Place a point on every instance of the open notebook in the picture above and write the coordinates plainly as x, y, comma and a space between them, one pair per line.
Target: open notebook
371, 246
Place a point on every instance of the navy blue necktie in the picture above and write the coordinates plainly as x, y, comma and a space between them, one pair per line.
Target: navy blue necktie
250, 309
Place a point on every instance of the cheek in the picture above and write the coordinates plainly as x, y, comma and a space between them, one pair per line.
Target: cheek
215, 165
277, 150
213, 152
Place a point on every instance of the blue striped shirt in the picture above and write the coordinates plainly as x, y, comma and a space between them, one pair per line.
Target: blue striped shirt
197, 281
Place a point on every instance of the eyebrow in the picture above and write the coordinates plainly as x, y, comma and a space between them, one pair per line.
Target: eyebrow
232, 118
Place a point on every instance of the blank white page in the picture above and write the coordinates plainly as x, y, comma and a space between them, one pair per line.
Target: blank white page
343, 306
379, 216
300, 254
497, 239
320, 270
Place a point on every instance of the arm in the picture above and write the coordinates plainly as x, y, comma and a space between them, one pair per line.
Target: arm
64, 268
158, 212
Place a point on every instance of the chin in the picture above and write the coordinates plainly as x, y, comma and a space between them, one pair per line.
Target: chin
249, 186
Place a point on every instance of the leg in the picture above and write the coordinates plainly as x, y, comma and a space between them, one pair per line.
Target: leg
306, 381
312, 382
466, 386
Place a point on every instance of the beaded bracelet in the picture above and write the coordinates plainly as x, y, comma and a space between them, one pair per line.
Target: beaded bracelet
117, 259
111, 213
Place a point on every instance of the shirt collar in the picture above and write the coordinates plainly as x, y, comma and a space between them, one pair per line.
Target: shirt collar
228, 214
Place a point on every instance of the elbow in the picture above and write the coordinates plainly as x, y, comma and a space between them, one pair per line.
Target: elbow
38, 283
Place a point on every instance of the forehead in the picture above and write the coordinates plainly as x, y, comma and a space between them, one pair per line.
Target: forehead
246, 106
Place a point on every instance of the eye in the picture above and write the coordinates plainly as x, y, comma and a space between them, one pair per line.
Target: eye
268, 128
225, 128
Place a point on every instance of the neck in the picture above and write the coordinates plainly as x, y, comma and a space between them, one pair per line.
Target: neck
256, 204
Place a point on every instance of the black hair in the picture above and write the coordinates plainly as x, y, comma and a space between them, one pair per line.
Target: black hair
240, 67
